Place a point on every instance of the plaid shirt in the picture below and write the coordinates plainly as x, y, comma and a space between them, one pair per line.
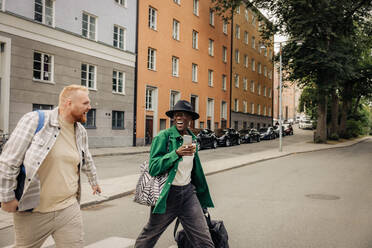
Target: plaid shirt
24, 146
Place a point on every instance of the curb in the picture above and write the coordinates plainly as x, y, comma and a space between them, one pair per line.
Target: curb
129, 192
119, 154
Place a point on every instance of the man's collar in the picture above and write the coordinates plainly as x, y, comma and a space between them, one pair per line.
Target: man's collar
174, 132
54, 117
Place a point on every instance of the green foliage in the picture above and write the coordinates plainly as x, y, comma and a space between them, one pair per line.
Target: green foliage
359, 122
309, 102
333, 136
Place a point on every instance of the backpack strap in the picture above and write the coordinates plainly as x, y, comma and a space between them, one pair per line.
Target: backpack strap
41, 121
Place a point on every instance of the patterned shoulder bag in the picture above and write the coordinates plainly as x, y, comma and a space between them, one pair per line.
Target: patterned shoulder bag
148, 188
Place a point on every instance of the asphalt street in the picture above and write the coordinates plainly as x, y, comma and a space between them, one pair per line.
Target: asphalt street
318, 199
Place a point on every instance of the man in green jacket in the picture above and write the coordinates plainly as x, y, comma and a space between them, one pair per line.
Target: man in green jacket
185, 191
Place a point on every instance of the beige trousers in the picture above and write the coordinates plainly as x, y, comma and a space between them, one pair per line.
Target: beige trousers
65, 226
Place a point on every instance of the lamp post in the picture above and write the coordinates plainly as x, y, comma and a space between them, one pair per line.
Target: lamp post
280, 98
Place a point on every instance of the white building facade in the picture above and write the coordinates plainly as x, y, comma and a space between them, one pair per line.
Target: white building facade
48, 44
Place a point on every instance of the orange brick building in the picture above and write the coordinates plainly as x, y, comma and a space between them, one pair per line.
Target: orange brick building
252, 73
183, 53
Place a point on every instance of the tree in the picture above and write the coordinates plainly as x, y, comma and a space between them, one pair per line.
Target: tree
324, 56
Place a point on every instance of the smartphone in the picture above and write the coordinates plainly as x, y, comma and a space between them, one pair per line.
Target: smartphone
187, 139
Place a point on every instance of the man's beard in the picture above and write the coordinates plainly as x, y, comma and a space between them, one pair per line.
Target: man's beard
80, 118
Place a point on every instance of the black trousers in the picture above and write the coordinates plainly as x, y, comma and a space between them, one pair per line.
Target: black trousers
183, 203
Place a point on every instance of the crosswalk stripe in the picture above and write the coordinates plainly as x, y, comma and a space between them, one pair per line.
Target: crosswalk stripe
116, 242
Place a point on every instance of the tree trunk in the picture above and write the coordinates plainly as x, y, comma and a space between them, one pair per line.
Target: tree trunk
334, 114
345, 109
320, 135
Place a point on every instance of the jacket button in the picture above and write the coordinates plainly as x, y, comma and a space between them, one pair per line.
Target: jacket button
47, 148
29, 179
55, 136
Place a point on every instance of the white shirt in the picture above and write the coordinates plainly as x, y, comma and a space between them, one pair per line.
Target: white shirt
183, 175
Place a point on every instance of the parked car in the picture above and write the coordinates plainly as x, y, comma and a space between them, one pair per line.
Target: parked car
267, 133
206, 138
227, 137
276, 131
306, 124
249, 135
288, 129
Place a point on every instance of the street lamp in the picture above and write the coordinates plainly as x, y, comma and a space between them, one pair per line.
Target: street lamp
280, 91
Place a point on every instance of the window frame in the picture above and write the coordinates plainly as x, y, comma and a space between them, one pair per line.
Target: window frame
43, 15
88, 66
117, 91
176, 30
210, 78
88, 30
151, 59
195, 39
194, 70
225, 27
196, 7
211, 47
237, 56
94, 119
224, 82
123, 41
211, 17
42, 67
122, 3
114, 117
175, 66
149, 98
237, 31
236, 80
153, 18
246, 61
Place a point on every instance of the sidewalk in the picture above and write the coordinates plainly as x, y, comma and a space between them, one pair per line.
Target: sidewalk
121, 186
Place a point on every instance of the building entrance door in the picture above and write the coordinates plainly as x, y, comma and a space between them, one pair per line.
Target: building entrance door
149, 129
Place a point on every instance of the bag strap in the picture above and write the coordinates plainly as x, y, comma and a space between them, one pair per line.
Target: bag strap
176, 227
41, 121
40, 125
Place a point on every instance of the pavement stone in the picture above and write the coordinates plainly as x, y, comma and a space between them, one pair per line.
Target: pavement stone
121, 186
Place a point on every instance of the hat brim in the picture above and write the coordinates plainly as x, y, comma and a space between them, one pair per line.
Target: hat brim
194, 115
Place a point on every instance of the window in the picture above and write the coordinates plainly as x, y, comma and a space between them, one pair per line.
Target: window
244, 125
271, 74
194, 72
151, 59
253, 65
245, 106
176, 30
237, 56
253, 20
258, 109
245, 84
259, 89
265, 71
236, 80
210, 107
1, 5
43, 67
210, 78
211, 47
89, 26
236, 125
223, 110
88, 76
253, 42
195, 35
201, 124
236, 105
269, 114
211, 17
122, 2
259, 68
118, 82
163, 124
246, 37
237, 31
238, 10
36, 106
44, 11
174, 97
270, 92
224, 54
246, 61
224, 82
252, 86
246, 15
117, 119
91, 119
264, 110
265, 51
224, 27
264, 90
149, 98
175, 66
153, 14
177, 1
119, 37
196, 7
252, 108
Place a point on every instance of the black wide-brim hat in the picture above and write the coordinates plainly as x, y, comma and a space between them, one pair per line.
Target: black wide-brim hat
182, 106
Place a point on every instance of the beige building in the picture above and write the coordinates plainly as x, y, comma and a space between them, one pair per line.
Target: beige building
290, 98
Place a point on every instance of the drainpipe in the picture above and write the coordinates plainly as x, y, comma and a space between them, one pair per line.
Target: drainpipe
231, 61
135, 81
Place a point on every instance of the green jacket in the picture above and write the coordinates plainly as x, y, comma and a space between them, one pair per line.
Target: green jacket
163, 159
